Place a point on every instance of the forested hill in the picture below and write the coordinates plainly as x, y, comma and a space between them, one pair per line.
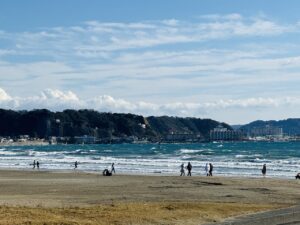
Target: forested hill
69, 123
289, 126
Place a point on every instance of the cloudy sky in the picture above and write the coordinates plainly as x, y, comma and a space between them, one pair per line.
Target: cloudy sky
233, 61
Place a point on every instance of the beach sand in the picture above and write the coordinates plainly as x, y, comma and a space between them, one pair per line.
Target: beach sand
44, 197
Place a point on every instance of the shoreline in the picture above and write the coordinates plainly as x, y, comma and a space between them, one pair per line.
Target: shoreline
137, 199
154, 174
45, 143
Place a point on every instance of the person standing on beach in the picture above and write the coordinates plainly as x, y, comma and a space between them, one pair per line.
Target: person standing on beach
38, 165
182, 173
113, 168
189, 168
211, 167
206, 169
264, 170
33, 164
75, 165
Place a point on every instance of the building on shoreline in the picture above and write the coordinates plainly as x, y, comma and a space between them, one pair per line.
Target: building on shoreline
221, 133
267, 130
182, 137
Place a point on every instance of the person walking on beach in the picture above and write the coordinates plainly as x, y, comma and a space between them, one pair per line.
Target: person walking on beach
211, 167
206, 169
264, 170
33, 164
113, 168
182, 173
189, 168
37, 165
75, 165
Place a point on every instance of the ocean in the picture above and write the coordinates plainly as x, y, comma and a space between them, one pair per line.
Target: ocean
229, 159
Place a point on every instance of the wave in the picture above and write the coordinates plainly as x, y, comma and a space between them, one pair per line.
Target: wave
190, 151
231, 159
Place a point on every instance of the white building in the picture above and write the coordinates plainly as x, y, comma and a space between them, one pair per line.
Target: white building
221, 133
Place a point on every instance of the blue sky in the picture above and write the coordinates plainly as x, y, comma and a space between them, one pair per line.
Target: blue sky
229, 60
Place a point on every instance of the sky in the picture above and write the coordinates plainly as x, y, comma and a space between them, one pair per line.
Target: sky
234, 61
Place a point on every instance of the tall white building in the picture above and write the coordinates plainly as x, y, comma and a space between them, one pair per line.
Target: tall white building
221, 133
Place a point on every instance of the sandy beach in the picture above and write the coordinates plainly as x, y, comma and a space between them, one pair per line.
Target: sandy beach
43, 197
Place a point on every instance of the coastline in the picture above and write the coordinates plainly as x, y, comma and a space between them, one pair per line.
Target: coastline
156, 199
24, 143
138, 174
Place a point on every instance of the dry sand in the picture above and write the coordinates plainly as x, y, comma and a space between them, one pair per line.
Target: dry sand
41, 197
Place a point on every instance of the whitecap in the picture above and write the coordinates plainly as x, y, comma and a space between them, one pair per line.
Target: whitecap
190, 151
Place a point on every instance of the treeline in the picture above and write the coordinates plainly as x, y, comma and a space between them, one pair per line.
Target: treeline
70, 123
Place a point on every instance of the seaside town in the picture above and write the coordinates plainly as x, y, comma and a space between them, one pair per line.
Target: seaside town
218, 134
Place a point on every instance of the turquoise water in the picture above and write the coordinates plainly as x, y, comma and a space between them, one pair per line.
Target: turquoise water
229, 159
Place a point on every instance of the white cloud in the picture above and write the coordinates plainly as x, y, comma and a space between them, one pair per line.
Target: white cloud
4, 96
232, 16
190, 65
59, 95
59, 100
171, 22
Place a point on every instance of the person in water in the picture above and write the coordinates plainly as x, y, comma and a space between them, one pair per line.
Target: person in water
189, 168
264, 170
182, 173
297, 176
113, 168
211, 167
75, 165
37, 164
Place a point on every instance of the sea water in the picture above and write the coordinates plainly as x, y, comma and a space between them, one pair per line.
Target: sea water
229, 159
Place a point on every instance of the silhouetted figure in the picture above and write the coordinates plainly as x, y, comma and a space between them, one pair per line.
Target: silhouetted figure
189, 168
297, 176
264, 170
206, 169
37, 164
33, 164
75, 165
182, 173
113, 168
211, 168
106, 173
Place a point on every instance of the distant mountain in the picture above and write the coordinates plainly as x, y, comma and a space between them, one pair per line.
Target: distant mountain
164, 125
236, 127
289, 126
70, 123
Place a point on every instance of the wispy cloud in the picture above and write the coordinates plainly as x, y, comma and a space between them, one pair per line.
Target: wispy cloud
170, 66
95, 39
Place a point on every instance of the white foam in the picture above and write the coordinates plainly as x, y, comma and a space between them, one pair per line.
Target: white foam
190, 151
240, 164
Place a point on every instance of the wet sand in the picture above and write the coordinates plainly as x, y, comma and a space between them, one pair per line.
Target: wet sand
43, 197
